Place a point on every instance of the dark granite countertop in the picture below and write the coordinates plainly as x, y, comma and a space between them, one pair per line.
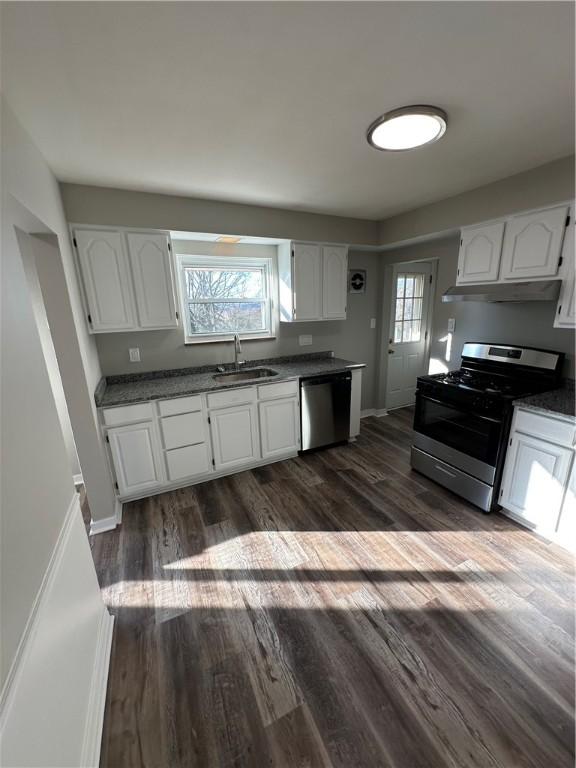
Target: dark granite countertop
556, 401
161, 385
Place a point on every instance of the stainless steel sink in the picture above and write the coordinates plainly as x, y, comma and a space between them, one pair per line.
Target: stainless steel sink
248, 374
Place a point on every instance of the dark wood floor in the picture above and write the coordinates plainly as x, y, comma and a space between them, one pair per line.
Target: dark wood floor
335, 610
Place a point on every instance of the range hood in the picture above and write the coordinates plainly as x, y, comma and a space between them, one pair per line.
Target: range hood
537, 290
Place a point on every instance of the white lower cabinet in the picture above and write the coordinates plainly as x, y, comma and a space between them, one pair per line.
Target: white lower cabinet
536, 474
189, 461
536, 488
279, 427
234, 433
171, 443
566, 530
136, 457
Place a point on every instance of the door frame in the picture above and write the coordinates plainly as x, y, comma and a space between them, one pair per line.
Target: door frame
390, 296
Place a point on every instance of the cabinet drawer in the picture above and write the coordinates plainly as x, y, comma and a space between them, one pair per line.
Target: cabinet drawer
188, 461
282, 389
127, 414
232, 397
180, 405
558, 431
184, 429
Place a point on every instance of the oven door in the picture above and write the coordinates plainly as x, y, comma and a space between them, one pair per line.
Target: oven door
458, 436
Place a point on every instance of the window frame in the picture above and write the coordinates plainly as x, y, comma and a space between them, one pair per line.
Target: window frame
270, 281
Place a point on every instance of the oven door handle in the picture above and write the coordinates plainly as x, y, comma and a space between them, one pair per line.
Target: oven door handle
457, 408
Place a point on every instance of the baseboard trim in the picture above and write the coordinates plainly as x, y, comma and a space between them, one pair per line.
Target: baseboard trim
18, 663
107, 523
373, 412
97, 700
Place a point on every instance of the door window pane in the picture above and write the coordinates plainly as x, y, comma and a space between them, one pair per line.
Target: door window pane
408, 308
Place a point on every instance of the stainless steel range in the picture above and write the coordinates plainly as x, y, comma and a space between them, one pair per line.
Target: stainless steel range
462, 418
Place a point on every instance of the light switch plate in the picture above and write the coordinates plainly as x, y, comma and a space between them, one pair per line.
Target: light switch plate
134, 354
451, 325
373, 322
305, 340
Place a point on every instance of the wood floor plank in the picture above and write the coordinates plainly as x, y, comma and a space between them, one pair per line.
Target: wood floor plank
336, 610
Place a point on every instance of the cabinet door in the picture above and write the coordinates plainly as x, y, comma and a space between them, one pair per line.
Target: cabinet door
535, 475
566, 309
279, 427
107, 282
152, 268
307, 282
135, 454
532, 244
234, 436
334, 281
566, 530
479, 257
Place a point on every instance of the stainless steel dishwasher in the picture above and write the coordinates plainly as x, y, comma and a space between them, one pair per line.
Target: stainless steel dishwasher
325, 409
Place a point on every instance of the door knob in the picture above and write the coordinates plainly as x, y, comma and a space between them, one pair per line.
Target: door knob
390, 351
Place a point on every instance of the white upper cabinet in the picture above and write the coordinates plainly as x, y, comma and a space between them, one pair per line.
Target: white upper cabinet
334, 282
128, 279
566, 309
313, 281
532, 244
107, 282
307, 281
479, 257
152, 270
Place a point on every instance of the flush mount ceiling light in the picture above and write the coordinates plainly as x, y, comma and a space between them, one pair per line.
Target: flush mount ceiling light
407, 128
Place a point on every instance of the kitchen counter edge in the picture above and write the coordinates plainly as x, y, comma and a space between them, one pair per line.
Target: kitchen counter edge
157, 388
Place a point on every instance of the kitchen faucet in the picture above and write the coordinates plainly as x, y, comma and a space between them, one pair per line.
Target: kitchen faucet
237, 351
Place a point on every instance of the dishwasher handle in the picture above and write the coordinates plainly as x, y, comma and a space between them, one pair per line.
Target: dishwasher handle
327, 378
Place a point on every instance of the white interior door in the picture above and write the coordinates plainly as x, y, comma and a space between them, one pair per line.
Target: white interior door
408, 336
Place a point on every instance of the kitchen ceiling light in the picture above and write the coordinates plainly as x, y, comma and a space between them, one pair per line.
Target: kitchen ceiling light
407, 128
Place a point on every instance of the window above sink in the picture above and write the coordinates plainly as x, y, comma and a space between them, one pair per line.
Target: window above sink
226, 295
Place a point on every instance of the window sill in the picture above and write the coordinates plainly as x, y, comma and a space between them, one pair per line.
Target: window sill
226, 339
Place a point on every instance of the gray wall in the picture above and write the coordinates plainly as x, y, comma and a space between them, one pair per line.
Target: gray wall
547, 184
102, 205
352, 338
529, 324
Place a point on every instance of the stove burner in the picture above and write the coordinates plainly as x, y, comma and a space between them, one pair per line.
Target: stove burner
478, 381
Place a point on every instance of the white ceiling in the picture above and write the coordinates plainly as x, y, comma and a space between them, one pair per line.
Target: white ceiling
268, 103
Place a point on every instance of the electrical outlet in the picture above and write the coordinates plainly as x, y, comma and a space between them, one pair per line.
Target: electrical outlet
451, 325
305, 340
134, 354
372, 322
